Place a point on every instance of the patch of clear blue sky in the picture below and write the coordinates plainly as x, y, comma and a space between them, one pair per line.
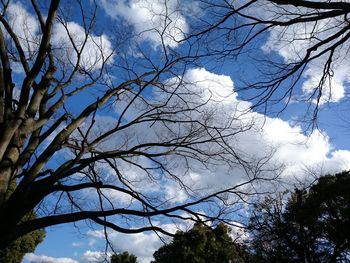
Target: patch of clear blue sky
68, 240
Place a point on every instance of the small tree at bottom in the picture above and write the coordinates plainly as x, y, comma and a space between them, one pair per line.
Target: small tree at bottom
124, 257
313, 226
15, 252
200, 245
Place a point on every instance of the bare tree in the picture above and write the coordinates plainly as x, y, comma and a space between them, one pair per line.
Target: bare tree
91, 130
298, 49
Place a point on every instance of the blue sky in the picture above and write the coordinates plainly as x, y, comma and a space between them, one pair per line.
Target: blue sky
298, 150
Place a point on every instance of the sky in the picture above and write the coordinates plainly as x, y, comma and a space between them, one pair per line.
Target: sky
281, 138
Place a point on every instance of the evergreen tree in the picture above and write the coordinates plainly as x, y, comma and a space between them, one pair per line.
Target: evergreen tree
201, 245
313, 227
15, 252
124, 257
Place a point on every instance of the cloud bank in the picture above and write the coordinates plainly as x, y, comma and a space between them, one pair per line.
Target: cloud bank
292, 43
91, 50
287, 145
32, 258
153, 21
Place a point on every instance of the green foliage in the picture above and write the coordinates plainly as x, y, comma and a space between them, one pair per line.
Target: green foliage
124, 257
201, 245
313, 227
15, 252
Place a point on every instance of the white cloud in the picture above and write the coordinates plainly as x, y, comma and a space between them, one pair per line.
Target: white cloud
32, 258
209, 98
77, 244
155, 21
290, 148
214, 95
94, 256
141, 245
238, 232
292, 43
95, 50
25, 26
334, 90
92, 242
339, 160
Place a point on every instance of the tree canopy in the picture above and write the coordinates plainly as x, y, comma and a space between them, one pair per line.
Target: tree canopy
312, 227
202, 244
15, 252
124, 257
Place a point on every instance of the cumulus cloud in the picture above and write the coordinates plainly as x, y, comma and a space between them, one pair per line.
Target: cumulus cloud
32, 258
238, 232
253, 136
291, 148
159, 22
94, 256
141, 245
204, 99
25, 26
77, 244
95, 50
288, 145
292, 42
211, 95
88, 257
